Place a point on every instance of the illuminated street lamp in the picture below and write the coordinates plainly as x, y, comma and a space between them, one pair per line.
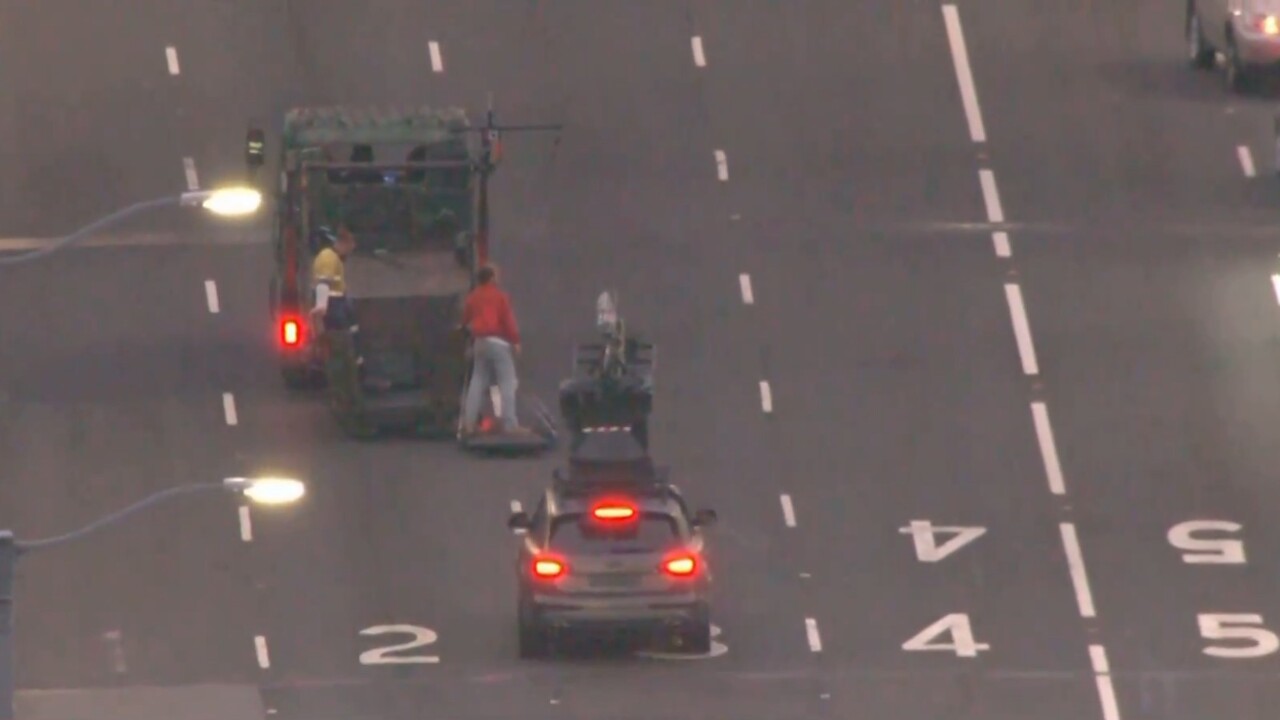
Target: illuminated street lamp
226, 202
262, 491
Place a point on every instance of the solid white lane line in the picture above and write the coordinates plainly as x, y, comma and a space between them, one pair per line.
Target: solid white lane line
1075, 563
811, 630
960, 58
229, 408
260, 646
766, 397
722, 166
699, 58
991, 196
1275, 285
1048, 448
788, 511
171, 57
1001, 241
1246, 161
211, 296
189, 167
744, 282
246, 524
437, 61
1021, 328
1106, 690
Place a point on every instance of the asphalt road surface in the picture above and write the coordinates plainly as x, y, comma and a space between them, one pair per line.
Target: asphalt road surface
968, 330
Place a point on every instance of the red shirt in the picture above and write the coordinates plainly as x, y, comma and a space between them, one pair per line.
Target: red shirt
488, 314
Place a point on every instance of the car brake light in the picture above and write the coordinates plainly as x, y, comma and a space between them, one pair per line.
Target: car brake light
548, 568
1266, 24
613, 511
682, 565
291, 332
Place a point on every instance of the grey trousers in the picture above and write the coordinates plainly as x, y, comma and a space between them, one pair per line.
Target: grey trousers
492, 362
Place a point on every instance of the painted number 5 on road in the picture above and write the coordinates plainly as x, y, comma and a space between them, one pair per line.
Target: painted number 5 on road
421, 637
1241, 627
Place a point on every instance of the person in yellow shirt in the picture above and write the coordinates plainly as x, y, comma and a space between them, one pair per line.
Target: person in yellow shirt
328, 270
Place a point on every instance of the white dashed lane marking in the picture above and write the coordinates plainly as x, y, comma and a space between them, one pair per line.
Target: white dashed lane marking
1246, 161
260, 647
699, 58
766, 397
1106, 690
189, 167
1048, 448
437, 60
1075, 564
1001, 241
246, 524
229, 408
171, 57
211, 296
991, 196
788, 510
1275, 285
964, 75
1021, 329
722, 166
811, 631
744, 283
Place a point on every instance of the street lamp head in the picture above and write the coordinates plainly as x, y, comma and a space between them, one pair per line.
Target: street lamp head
268, 490
233, 201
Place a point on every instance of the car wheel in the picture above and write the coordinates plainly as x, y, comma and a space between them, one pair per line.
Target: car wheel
1237, 74
697, 638
534, 643
1199, 52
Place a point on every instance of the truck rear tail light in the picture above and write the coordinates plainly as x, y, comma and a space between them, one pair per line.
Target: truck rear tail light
290, 332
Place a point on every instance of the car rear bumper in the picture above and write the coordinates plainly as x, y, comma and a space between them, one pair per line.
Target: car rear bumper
1259, 52
619, 613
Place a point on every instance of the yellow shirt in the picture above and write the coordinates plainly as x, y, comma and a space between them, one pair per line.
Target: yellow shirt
328, 266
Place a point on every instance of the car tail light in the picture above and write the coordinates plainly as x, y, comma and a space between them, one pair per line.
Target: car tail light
681, 565
1265, 24
548, 568
290, 332
613, 511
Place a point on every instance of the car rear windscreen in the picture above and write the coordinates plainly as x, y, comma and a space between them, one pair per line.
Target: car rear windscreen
576, 533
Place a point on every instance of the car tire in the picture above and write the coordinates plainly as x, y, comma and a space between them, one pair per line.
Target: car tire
1200, 53
697, 638
534, 643
1238, 76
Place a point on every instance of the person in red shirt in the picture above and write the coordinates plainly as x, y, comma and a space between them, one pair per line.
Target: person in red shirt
495, 344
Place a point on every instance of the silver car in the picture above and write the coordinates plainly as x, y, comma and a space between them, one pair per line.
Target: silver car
1245, 32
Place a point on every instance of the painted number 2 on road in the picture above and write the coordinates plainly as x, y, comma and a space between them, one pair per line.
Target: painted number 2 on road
398, 654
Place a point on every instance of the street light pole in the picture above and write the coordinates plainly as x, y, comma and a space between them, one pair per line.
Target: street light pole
230, 201
273, 491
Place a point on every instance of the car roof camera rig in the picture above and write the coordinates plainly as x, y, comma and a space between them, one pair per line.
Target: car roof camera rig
611, 388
